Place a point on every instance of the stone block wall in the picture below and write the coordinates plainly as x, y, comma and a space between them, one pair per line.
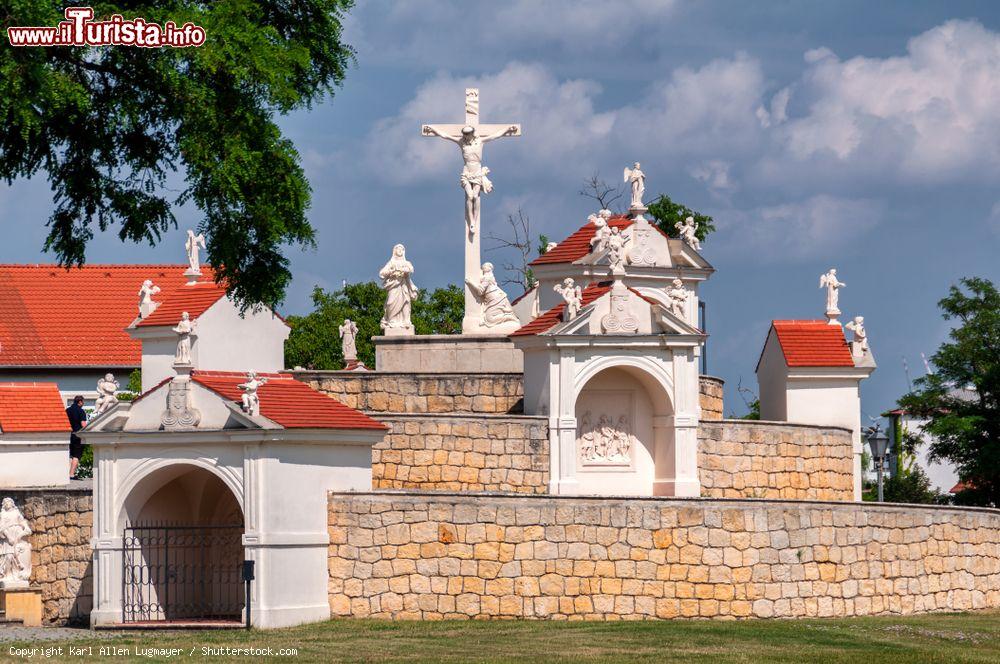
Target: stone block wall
753, 459
710, 391
426, 556
383, 392
61, 521
463, 453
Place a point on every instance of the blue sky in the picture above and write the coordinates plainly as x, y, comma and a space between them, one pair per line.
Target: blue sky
852, 134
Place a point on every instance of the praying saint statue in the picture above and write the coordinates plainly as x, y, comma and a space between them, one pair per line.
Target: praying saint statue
250, 399
678, 298
832, 285
146, 293
15, 551
860, 341
106, 397
687, 231
473, 179
185, 329
638, 180
348, 333
496, 306
572, 295
400, 291
192, 244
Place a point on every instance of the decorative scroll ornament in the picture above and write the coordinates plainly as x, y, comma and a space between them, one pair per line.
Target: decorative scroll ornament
619, 320
607, 442
15, 551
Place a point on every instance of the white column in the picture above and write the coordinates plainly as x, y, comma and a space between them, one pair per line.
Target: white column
563, 424
107, 542
681, 477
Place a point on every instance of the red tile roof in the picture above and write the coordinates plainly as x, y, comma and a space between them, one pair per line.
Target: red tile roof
289, 402
51, 316
577, 245
194, 299
812, 343
554, 316
32, 407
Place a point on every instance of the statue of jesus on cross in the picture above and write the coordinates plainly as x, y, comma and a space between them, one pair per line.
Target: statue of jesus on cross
470, 138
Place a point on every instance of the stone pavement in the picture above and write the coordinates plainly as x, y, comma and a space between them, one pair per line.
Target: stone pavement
11, 632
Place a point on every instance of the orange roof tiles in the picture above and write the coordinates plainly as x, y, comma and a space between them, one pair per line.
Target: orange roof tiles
32, 407
577, 245
194, 299
553, 316
51, 316
289, 402
812, 343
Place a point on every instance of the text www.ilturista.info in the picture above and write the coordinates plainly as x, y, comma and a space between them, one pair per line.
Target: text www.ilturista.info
80, 30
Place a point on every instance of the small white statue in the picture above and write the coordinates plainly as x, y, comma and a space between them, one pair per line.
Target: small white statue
146, 293
348, 334
832, 285
572, 295
192, 244
492, 298
687, 231
616, 251
599, 242
678, 299
185, 329
860, 342
400, 292
15, 551
250, 398
638, 180
550, 246
106, 389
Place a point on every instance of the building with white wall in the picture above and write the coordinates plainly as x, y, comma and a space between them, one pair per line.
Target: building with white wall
34, 436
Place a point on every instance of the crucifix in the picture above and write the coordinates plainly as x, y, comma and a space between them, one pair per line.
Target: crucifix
470, 138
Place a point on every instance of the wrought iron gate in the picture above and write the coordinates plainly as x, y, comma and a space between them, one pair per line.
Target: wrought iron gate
181, 573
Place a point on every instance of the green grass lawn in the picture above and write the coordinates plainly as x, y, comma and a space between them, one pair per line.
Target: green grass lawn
952, 638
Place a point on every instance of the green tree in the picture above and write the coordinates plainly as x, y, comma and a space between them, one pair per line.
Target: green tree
108, 126
911, 485
666, 212
314, 342
961, 399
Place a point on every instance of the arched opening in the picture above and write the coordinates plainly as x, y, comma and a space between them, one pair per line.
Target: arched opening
182, 529
622, 432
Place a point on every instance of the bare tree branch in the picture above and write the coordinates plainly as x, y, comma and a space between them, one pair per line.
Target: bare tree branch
605, 194
520, 225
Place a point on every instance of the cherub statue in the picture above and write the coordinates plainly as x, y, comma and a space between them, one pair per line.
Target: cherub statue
146, 293
638, 180
678, 298
572, 295
857, 326
106, 398
616, 250
599, 242
250, 398
687, 231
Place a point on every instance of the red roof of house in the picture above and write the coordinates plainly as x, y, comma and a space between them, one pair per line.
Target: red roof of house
32, 407
812, 343
194, 299
577, 245
51, 316
289, 402
554, 316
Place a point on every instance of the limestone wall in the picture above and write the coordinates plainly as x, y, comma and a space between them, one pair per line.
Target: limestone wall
463, 453
383, 392
752, 459
61, 521
426, 556
710, 391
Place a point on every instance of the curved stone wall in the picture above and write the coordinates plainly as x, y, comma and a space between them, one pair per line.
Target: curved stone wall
429, 556
754, 459
710, 390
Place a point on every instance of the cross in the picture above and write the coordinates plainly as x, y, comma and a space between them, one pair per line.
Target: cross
470, 138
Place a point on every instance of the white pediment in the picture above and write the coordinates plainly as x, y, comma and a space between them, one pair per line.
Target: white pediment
622, 311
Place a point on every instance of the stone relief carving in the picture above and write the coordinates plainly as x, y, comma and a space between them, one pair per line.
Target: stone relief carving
146, 293
492, 298
180, 413
607, 441
250, 398
637, 178
572, 295
678, 299
641, 252
619, 320
185, 329
400, 292
15, 551
687, 231
106, 389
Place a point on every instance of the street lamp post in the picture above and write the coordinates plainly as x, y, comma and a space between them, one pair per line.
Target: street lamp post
878, 442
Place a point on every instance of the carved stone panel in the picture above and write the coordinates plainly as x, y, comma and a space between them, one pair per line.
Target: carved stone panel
605, 430
180, 413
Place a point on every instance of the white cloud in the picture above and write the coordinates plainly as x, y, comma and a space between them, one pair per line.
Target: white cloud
715, 174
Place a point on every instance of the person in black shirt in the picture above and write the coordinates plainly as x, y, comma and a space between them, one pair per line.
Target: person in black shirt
77, 420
